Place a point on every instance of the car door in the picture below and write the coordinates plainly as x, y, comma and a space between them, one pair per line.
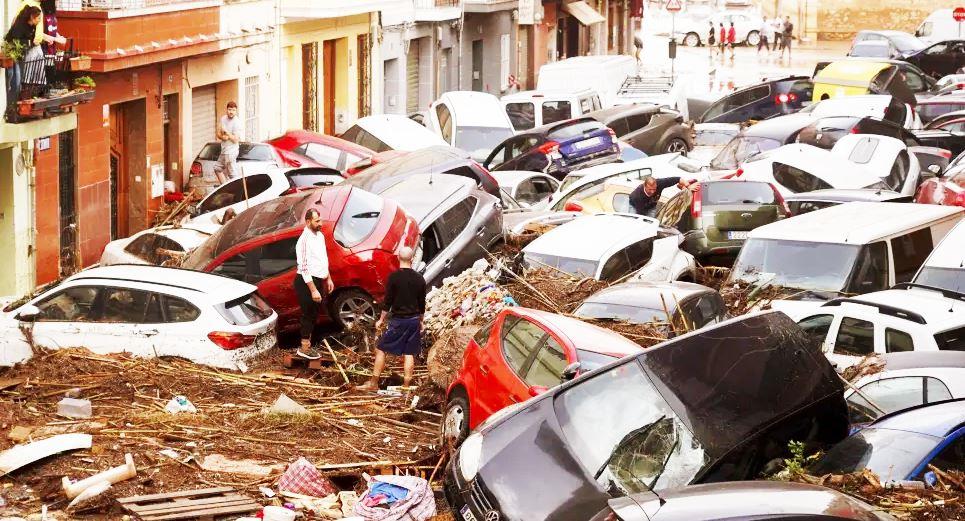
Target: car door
501, 370
238, 195
448, 247
125, 320
887, 395
271, 267
65, 318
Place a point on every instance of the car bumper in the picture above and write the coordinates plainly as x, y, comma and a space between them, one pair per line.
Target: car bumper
468, 501
562, 166
698, 245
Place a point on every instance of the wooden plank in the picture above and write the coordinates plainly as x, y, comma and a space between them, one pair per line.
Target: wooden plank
208, 512
171, 495
193, 507
180, 503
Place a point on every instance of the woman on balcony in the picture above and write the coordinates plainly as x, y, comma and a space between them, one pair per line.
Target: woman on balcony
22, 30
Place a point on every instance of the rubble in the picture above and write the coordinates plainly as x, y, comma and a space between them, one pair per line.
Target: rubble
472, 297
74, 408
117, 474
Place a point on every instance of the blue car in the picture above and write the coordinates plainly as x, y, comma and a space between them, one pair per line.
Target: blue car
557, 149
901, 445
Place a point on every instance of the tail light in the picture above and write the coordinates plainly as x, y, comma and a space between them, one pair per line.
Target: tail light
231, 341
947, 154
571, 206
739, 172
960, 199
196, 169
781, 99
779, 199
550, 147
696, 202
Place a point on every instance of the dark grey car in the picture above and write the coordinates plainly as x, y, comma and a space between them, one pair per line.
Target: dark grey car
459, 221
689, 306
648, 127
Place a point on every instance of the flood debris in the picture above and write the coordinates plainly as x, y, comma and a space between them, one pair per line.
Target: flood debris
22, 455
74, 408
114, 475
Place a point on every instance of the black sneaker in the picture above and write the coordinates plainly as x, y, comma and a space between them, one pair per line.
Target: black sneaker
310, 354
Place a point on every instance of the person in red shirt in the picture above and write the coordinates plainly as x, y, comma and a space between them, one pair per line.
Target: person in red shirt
731, 39
722, 42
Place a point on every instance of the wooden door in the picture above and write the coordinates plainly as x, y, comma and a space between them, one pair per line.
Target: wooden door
118, 172
328, 78
310, 86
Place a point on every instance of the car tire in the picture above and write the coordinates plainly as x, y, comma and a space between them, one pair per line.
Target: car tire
455, 419
674, 145
753, 38
692, 40
351, 307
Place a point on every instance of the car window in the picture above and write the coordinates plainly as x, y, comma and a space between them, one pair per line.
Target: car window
621, 202
914, 81
899, 171
728, 192
951, 340
554, 111
359, 218
871, 269
705, 309
235, 191
482, 336
596, 102
855, 337
543, 186
898, 341
797, 180
146, 247
210, 152
520, 146
179, 310
68, 305
457, 218
816, 328
886, 396
357, 135
585, 106
324, 155
255, 152
616, 267
445, 121
802, 207
638, 121
951, 458
864, 150
245, 310
909, 252
129, 306
521, 115
262, 262
574, 129
547, 368
619, 127
520, 340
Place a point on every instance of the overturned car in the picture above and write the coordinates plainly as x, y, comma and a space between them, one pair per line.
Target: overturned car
714, 405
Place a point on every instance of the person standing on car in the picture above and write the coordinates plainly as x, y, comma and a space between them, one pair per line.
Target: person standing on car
787, 37
229, 133
311, 279
404, 305
731, 39
711, 39
644, 198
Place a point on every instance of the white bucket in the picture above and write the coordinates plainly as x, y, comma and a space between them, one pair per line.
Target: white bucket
273, 513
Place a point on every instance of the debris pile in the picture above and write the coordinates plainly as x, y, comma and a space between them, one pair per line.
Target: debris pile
445, 356
172, 212
551, 290
472, 297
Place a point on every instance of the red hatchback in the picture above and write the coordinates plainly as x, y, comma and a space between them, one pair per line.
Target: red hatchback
520, 354
306, 148
948, 190
363, 233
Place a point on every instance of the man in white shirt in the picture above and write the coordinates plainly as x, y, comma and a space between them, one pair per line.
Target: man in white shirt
311, 279
229, 133
766, 35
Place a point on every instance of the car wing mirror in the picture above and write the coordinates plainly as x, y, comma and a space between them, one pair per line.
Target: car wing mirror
29, 313
537, 390
935, 169
571, 371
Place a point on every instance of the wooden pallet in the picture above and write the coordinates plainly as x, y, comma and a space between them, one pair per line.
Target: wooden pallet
206, 503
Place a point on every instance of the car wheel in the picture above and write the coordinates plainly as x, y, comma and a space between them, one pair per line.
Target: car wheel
691, 40
675, 145
455, 420
353, 307
753, 38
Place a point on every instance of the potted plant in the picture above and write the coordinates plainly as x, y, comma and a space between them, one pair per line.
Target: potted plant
80, 63
13, 52
85, 83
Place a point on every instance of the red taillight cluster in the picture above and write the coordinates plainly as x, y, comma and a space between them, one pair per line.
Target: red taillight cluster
947, 154
572, 206
696, 202
781, 99
550, 147
196, 169
230, 341
779, 199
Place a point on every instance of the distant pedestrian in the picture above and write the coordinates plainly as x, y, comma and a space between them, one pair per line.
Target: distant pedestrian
229, 133
711, 39
765, 36
731, 39
405, 303
788, 36
637, 47
312, 279
722, 42
777, 25
644, 198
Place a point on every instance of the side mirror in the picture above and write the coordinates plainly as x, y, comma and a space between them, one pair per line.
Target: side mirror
935, 169
571, 371
537, 390
29, 313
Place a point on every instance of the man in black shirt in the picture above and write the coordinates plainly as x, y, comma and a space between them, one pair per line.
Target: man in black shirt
405, 303
644, 198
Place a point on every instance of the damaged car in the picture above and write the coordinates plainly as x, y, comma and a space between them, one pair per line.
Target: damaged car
701, 408
676, 306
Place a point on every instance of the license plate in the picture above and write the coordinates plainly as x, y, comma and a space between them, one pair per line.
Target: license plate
466, 514
737, 235
587, 143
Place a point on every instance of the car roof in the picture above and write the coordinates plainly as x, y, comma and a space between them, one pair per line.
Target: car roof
507, 178
434, 159
816, 161
779, 128
307, 136
399, 132
859, 105
856, 222
591, 237
476, 109
624, 110
935, 419
549, 127
950, 252
938, 311
648, 294
922, 359
420, 195
172, 278
583, 335
863, 68
953, 97
178, 234
845, 195
547, 94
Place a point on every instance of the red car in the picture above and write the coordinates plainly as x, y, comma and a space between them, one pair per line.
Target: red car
948, 190
521, 354
363, 233
306, 148
379, 157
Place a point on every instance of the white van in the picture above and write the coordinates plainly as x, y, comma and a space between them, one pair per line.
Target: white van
472, 121
534, 108
848, 249
604, 74
940, 26
945, 267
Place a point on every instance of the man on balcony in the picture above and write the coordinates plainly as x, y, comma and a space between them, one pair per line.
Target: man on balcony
229, 133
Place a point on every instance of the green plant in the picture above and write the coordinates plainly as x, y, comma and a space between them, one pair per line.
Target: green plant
85, 81
14, 49
797, 464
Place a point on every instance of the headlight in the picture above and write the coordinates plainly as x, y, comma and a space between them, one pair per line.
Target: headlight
470, 456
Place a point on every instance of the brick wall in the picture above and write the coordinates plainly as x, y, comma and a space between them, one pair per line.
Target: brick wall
93, 31
841, 19
47, 190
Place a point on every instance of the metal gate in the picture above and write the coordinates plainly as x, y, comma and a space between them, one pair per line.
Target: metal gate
310, 86
252, 109
69, 259
412, 77
364, 90
115, 175
204, 116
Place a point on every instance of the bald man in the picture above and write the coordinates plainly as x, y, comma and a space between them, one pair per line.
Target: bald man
644, 198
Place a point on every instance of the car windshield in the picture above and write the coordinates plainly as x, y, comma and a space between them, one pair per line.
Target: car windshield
871, 50
796, 264
275, 215
930, 111
952, 279
906, 42
254, 152
576, 267
712, 138
472, 139
614, 311
210, 152
890, 454
740, 149
570, 180
730, 192
632, 441
358, 219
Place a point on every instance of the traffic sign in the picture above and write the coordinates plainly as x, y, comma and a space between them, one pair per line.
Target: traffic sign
674, 5
958, 14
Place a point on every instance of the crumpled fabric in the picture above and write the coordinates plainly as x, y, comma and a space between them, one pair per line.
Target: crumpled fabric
301, 477
382, 493
418, 505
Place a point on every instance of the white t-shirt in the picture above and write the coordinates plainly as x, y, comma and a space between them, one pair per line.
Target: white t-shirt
232, 125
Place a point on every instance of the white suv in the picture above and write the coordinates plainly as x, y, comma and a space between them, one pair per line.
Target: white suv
146, 311
904, 318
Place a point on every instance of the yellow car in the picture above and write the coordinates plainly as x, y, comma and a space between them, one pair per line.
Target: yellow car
855, 77
609, 197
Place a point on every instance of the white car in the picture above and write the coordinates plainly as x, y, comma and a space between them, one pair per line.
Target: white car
906, 379
693, 31
945, 267
710, 139
612, 247
534, 108
799, 168
205, 218
527, 188
879, 106
884, 156
905, 318
471, 121
253, 158
386, 132
147, 311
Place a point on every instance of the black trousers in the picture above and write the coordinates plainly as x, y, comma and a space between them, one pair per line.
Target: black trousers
308, 306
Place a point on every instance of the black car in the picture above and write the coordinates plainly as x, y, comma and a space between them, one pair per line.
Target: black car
648, 127
714, 405
557, 148
439, 159
761, 101
939, 59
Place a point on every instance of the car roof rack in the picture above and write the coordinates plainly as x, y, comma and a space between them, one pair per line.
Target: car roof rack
884, 309
947, 293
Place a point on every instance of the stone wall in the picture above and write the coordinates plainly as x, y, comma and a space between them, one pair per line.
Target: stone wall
841, 19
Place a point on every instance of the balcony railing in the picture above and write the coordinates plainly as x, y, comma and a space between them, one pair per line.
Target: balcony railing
429, 4
47, 85
98, 5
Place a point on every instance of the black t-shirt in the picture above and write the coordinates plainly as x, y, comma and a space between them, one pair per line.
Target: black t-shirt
641, 202
405, 293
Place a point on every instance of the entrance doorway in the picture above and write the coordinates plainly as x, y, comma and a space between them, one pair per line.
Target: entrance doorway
70, 261
128, 171
477, 65
328, 77
310, 86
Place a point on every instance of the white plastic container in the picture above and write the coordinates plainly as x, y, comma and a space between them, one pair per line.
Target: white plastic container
273, 513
